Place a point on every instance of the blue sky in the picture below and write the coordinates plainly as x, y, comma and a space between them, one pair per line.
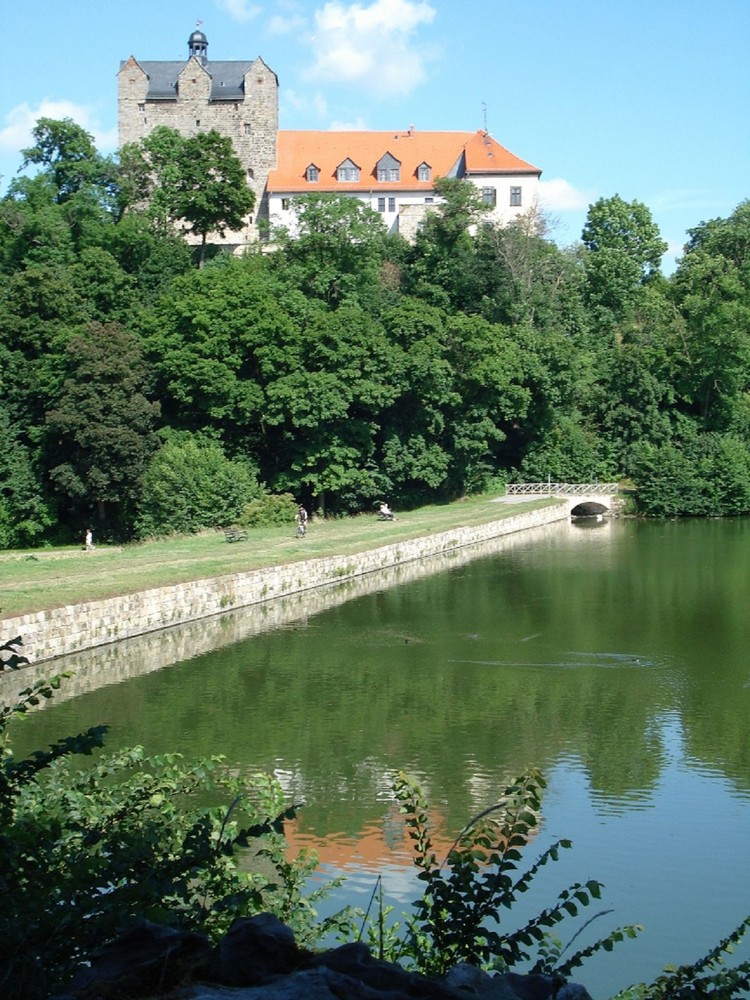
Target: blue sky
648, 99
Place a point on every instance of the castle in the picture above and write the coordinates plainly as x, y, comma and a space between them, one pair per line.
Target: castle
392, 172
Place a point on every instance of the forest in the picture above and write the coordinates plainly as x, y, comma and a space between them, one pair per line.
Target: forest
151, 385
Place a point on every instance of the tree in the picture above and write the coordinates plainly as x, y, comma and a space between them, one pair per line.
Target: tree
443, 267
336, 249
99, 429
198, 179
711, 288
25, 513
624, 252
489, 397
212, 193
215, 339
324, 412
67, 153
526, 278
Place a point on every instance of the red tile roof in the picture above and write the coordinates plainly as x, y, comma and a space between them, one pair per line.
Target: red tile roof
441, 151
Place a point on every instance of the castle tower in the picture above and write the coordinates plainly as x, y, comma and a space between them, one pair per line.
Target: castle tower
239, 99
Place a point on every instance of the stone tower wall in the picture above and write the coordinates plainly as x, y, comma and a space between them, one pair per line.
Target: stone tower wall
250, 122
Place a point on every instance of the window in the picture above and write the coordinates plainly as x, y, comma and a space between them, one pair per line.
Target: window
312, 173
489, 196
141, 106
347, 172
248, 129
391, 204
515, 197
423, 172
429, 200
381, 204
389, 169
285, 203
250, 174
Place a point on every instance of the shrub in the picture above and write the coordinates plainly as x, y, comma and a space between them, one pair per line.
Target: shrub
457, 918
190, 484
269, 510
701, 475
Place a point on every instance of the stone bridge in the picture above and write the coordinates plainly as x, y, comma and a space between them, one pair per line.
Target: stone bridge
583, 499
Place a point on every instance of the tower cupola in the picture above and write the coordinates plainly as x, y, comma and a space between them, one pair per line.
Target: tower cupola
198, 46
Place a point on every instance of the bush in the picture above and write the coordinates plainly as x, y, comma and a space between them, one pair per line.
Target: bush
457, 918
701, 475
190, 484
269, 510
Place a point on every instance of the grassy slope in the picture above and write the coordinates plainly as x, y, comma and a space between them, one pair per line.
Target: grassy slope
36, 581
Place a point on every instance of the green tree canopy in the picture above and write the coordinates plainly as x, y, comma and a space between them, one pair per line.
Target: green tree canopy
196, 179
624, 251
99, 429
336, 250
66, 153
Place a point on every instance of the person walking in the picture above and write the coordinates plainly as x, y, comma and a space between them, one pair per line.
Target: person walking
301, 520
89, 540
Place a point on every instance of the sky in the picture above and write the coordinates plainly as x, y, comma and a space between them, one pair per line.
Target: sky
646, 99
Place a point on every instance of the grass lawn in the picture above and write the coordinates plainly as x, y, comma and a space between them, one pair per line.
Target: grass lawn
49, 578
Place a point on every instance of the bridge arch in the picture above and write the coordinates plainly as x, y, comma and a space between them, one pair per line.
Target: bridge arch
589, 508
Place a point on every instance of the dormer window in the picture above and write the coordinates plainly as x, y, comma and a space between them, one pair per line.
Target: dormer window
312, 174
347, 172
423, 172
389, 169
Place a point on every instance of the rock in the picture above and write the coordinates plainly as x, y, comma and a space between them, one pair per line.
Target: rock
255, 951
150, 960
258, 959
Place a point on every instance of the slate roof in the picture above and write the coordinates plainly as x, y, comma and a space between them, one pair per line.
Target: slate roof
448, 154
227, 78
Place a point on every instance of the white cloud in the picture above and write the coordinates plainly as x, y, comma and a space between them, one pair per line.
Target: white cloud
15, 133
372, 46
239, 10
558, 195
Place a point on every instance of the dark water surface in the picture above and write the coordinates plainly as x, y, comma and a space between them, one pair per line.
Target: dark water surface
613, 656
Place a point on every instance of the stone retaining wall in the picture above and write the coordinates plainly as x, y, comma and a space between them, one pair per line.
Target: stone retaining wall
62, 631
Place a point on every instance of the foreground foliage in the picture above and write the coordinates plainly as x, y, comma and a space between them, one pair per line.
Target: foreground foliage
459, 915
86, 850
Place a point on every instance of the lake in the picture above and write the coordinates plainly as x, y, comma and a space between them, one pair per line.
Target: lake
612, 655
